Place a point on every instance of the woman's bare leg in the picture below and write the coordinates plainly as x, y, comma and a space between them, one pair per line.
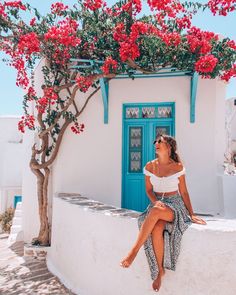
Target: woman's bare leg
155, 214
158, 246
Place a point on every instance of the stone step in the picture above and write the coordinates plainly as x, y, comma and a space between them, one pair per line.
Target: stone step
18, 213
31, 262
16, 221
15, 229
15, 236
19, 205
25, 275
36, 273
42, 276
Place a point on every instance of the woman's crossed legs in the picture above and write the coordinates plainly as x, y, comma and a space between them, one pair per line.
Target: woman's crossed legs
153, 224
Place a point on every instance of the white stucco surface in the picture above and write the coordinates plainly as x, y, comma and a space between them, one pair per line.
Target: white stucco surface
88, 245
11, 161
91, 163
229, 191
231, 111
30, 216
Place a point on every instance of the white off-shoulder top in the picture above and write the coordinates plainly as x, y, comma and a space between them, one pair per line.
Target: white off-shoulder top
164, 184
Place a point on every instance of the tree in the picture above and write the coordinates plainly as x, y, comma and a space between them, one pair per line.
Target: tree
116, 40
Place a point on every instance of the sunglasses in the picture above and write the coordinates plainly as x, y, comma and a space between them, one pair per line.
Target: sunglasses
161, 139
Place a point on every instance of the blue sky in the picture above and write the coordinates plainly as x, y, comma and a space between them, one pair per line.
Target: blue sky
11, 95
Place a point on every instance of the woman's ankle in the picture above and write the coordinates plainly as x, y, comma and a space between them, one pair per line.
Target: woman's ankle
162, 271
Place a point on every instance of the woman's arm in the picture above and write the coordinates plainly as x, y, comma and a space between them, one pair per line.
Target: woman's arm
149, 190
185, 196
148, 185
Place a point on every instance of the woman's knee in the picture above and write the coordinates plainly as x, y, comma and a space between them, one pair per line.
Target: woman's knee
159, 227
154, 212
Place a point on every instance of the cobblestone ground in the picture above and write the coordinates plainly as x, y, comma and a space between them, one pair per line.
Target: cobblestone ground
25, 275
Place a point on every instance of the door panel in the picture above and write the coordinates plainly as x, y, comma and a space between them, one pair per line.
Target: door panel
141, 126
133, 189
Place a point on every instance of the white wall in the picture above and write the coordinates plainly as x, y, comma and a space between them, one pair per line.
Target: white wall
91, 163
88, 245
231, 109
11, 152
30, 214
30, 221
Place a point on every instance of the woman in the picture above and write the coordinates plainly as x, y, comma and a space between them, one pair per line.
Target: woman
169, 214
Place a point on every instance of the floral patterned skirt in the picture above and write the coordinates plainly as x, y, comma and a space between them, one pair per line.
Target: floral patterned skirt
173, 232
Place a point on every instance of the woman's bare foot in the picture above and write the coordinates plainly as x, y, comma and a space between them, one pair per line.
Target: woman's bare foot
128, 259
157, 282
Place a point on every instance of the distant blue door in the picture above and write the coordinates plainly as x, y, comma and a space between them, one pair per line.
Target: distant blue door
16, 200
141, 125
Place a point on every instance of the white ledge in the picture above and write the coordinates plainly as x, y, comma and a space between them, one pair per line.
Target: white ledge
88, 244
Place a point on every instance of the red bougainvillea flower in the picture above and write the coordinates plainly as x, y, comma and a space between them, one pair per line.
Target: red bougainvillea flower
33, 22
50, 94
171, 9
64, 33
42, 104
15, 4
94, 4
173, 39
58, 8
158, 5
206, 64
84, 83
128, 47
31, 94
137, 29
184, 22
227, 75
134, 7
21, 78
61, 56
110, 66
49, 98
26, 121
129, 50
200, 41
77, 128
222, 7
29, 43
119, 33
232, 44
167, 7
2, 11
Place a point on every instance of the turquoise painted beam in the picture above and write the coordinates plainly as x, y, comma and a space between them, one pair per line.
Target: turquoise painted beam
165, 72
105, 90
193, 94
155, 75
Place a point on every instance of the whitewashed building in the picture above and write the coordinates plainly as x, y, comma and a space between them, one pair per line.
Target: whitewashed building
11, 162
103, 165
231, 122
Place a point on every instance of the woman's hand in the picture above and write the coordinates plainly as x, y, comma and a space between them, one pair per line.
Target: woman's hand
196, 219
159, 204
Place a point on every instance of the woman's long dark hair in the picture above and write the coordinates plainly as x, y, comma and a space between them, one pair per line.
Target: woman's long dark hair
173, 145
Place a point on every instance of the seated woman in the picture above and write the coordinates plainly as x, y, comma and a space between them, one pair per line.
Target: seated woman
168, 215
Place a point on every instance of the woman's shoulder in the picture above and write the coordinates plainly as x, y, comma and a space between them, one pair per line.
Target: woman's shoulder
179, 169
180, 166
149, 166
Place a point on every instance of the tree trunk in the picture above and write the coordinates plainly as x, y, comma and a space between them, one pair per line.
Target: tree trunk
40, 163
42, 191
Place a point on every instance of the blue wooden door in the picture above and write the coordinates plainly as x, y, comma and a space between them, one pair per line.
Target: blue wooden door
141, 125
